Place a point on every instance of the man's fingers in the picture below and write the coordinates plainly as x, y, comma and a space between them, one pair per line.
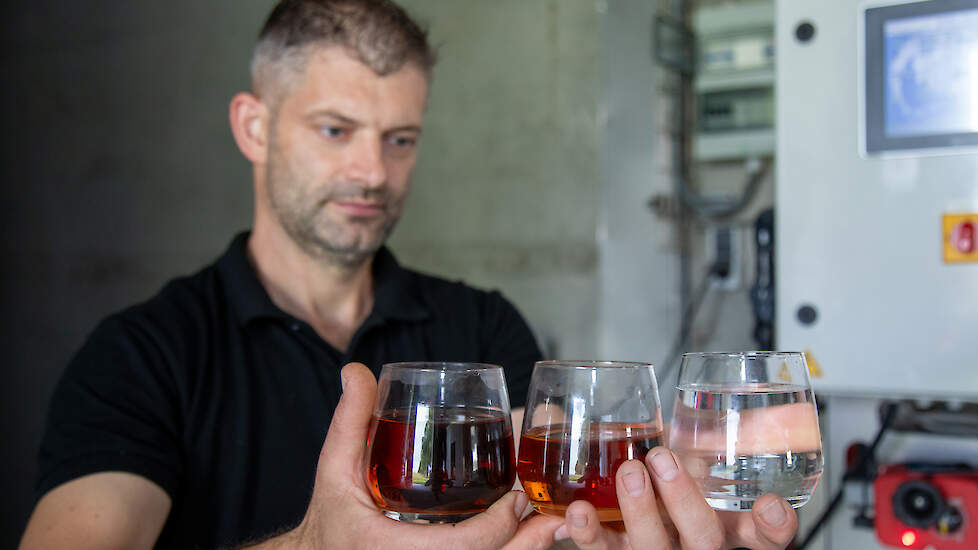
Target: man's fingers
492, 528
347, 436
697, 523
535, 533
498, 528
775, 520
636, 497
772, 523
582, 525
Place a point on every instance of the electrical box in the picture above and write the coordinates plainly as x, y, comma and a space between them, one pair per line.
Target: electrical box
735, 80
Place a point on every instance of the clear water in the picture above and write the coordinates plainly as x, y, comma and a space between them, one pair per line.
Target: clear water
741, 443
735, 484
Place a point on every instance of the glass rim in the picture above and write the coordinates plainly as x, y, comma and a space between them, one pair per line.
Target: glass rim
593, 364
441, 366
718, 354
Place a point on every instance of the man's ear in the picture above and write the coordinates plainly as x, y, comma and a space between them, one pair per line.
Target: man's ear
249, 124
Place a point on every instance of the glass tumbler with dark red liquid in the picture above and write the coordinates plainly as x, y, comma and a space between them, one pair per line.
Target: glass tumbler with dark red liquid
441, 442
583, 420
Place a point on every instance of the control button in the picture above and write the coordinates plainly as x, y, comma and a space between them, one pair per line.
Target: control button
963, 237
918, 503
959, 236
950, 521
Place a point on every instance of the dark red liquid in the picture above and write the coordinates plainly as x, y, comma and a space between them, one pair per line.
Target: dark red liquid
557, 469
454, 462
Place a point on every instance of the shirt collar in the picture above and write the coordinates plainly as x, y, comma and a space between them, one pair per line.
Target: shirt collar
395, 290
396, 293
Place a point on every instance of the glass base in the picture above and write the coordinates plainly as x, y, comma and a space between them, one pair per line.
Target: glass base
734, 504
429, 517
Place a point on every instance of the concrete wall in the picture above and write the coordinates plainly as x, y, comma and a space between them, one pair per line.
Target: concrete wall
506, 190
639, 277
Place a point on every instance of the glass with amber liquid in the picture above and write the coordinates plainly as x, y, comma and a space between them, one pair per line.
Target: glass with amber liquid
745, 424
441, 442
583, 420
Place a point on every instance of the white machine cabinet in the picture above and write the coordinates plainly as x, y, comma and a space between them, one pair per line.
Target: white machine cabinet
877, 179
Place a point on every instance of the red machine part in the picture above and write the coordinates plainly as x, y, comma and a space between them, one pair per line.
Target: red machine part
927, 508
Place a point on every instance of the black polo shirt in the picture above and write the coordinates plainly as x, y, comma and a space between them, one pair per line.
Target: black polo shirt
223, 400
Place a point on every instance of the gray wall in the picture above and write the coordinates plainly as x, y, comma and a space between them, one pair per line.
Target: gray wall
505, 193
639, 275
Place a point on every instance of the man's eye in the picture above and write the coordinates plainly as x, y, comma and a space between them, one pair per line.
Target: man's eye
333, 131
402, 141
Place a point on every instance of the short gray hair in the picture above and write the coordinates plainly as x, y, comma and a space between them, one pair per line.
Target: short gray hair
378, 33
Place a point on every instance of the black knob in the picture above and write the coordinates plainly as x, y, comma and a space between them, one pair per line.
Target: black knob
918, 504
950, 521
805, 31
807, 314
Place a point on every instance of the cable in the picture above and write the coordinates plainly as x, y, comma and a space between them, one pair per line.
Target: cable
686, 323
719, 210
864, 457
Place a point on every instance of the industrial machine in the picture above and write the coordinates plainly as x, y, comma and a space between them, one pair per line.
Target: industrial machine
876, 264
927, 505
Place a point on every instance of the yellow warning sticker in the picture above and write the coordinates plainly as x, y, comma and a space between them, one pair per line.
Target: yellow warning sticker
784, 374
814, 369
960, 237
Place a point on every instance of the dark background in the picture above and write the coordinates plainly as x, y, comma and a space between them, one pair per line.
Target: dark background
119, 172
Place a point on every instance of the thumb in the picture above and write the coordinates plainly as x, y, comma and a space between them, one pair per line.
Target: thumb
535, 533
348, 431
775, 521
496, 526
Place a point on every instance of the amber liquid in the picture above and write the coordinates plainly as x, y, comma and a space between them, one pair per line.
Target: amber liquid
558, 466
443, 464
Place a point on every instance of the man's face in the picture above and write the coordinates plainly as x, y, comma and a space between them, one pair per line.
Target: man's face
342, 146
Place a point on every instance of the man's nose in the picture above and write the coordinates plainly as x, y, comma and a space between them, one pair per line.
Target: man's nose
366, 162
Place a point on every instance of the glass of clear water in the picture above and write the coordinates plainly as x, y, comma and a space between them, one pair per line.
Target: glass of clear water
745, 424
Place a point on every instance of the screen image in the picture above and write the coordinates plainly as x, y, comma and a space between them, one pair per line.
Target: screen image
931, 74
919, 77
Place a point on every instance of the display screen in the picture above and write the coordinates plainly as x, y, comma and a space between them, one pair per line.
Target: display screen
921, 75
931, 74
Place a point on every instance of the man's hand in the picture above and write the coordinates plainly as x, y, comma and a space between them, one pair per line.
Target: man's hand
343, 515
686, 522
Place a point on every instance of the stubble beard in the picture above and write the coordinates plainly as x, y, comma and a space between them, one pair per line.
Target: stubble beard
300, 208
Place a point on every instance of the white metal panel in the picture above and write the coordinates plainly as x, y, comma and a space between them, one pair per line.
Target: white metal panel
860, 239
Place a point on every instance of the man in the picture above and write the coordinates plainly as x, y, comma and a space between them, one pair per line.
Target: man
195, 420
213, 397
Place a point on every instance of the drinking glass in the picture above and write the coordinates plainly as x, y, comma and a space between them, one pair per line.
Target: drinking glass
583, 420
441, 442
745, 424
